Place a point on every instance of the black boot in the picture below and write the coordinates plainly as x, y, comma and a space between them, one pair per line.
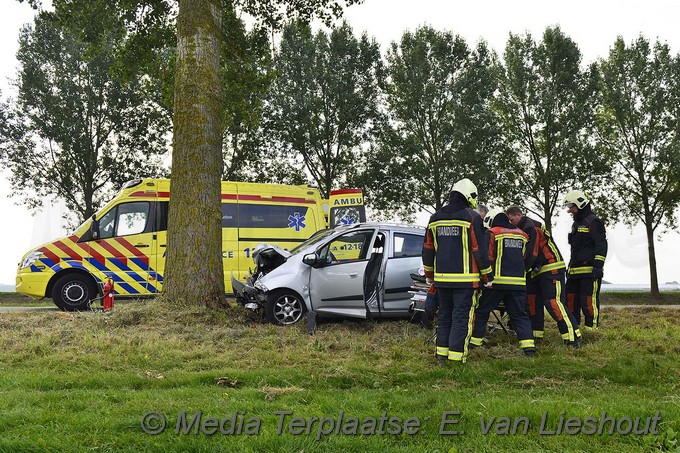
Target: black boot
573, 344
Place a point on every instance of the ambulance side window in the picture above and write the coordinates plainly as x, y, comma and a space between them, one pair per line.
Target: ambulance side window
162, 216
269, 216
124, 220
107, 224
229, 215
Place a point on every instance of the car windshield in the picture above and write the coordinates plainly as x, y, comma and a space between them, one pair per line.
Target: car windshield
313, 239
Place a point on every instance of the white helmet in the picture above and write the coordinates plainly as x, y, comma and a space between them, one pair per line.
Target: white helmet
468, 189
576, 197
488, 220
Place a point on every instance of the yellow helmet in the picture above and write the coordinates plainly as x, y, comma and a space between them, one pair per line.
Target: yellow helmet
468, 189
488, 220
576, 197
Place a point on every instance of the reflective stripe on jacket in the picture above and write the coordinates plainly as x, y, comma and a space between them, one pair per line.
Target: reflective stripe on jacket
588, 240
507, 247
542, 252
454, 254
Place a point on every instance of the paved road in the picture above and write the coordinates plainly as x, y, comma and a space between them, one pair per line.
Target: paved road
25, 309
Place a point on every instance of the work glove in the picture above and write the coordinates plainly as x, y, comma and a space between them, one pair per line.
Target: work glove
431, 305
429, 281
597, 273
488, 284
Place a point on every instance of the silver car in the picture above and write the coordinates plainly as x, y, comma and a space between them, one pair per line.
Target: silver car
360, 270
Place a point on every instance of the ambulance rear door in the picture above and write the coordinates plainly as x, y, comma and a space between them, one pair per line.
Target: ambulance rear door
159, 248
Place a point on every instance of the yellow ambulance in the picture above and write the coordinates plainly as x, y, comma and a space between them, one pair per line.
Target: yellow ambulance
126, 240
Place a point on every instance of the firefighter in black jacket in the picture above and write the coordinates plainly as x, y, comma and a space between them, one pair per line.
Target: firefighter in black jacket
507, 247
588, 240
545, 279
456, 260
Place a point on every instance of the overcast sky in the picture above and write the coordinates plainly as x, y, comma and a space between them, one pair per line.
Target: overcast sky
593, 25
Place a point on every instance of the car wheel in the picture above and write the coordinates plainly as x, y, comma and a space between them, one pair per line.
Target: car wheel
73, 292
284, 307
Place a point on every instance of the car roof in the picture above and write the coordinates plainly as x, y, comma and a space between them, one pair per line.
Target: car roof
403, 227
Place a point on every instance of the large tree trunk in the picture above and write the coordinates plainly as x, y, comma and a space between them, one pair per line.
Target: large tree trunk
653, 277
194, 269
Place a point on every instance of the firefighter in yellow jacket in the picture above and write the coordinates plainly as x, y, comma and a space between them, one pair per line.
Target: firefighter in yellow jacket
455, 258
588, 241
507, 250
545, 279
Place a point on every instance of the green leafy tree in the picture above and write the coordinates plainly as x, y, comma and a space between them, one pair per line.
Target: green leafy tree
77, 132
440, 127
150, 39
194, 265
324, 101
246, 74
547, 104
639, 129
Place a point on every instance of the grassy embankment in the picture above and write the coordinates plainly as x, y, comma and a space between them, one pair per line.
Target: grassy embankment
608, 298
81, 382
20, 300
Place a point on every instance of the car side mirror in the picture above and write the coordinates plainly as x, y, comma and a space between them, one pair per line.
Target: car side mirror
94, 228
310, 259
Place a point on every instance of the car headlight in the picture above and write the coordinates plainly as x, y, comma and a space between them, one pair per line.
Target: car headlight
30, 259
259, 285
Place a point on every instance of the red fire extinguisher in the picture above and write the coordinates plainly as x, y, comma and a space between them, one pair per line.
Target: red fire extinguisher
108, 296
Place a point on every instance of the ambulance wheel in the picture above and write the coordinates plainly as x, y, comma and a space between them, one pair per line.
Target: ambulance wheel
73, 292
284, 307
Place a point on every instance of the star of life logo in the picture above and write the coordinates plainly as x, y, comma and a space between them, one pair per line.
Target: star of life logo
347, 220
297, 221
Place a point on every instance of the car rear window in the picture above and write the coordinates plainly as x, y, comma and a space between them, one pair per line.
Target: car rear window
407, 245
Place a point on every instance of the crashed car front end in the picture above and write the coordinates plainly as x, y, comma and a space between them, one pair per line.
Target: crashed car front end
252, 293
248, 294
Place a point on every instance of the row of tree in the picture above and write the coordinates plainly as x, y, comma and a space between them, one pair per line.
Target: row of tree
99, 84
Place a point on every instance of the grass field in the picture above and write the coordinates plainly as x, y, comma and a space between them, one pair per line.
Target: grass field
20, 300
612, 298
84, 381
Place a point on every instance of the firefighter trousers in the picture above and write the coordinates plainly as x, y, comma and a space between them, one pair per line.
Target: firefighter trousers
515, 304
547, 291
455, 321
583, 295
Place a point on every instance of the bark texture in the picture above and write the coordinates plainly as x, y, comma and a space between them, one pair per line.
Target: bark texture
194, 270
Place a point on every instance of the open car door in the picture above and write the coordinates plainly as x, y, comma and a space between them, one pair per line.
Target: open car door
337, 282
374, 277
